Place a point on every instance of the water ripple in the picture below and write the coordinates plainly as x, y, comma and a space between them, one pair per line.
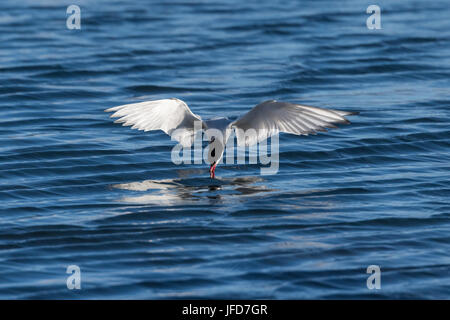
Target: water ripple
79, 189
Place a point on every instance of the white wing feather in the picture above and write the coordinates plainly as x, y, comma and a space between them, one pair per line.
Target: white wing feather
172, 116
271, 117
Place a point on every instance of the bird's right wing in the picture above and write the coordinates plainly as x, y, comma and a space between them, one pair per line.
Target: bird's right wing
172, 116
271, 117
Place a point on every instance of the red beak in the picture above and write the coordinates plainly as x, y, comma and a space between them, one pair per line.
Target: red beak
212, 170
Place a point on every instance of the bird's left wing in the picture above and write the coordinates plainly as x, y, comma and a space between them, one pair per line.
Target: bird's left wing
172, 116
271, 117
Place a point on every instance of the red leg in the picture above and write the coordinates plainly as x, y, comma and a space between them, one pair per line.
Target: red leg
212, 171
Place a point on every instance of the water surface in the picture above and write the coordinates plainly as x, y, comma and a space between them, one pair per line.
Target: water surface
77, 189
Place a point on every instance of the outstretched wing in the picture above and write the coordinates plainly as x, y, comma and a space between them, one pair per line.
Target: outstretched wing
271, 117
172, 116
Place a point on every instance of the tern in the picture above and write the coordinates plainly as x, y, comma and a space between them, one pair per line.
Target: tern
268, 118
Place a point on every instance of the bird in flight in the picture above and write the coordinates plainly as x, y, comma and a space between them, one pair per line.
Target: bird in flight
268, 118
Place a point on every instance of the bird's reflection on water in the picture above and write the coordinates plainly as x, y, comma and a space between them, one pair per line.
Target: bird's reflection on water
192, 190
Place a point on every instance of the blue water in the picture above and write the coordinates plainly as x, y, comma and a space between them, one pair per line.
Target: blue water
77, 189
